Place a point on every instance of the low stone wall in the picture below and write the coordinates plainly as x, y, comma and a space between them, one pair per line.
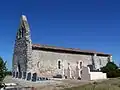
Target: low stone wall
97, 75
87, 75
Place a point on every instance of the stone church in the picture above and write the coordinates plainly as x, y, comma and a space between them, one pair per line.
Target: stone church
51, 61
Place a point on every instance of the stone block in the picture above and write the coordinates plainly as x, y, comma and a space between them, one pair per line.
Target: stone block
34, 77
20, 75
42, 78
24, 75
29, 76
46, 78
16, 76
38, 79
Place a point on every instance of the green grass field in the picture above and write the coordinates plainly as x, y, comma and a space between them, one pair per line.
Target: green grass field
111, 84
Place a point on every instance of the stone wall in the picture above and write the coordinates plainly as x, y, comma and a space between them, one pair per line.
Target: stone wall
87, 75
100, 61
19, 57
46, 62
22, 55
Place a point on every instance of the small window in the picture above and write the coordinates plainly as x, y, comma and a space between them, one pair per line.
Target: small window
80, 64
81, 72
59, 64
19, 34
19, 68
22, 31
100, 61
38, 64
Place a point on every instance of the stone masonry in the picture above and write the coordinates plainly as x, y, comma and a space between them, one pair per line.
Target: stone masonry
22, 56
49, 61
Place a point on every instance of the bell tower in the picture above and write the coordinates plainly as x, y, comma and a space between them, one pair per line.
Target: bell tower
23, 47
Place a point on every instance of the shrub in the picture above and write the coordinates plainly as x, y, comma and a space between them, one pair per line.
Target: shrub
3, 70
8, 73
111, 69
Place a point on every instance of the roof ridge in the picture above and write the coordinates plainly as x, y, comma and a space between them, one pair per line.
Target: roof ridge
62, 47
45, 46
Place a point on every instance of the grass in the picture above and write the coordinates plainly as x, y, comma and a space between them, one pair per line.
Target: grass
111, 84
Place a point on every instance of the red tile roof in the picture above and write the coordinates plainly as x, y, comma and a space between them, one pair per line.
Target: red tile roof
39, 46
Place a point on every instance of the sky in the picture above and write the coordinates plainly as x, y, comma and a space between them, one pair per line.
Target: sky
84, 24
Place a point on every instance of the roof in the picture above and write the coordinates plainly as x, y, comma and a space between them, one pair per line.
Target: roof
68, 50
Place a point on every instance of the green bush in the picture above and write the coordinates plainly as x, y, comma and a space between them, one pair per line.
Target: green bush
8, 73
3, 70
111, 69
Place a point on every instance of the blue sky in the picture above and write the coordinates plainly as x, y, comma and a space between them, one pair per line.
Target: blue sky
84, 24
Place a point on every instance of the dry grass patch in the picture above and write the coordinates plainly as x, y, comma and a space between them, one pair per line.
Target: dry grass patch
111, 84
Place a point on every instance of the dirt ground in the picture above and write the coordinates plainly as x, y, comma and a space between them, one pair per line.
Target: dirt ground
46, 85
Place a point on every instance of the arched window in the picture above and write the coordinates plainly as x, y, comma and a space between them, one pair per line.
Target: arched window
19, 68
19, 34
22, 31
59, 64
100, 61
38, 64
80, 64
